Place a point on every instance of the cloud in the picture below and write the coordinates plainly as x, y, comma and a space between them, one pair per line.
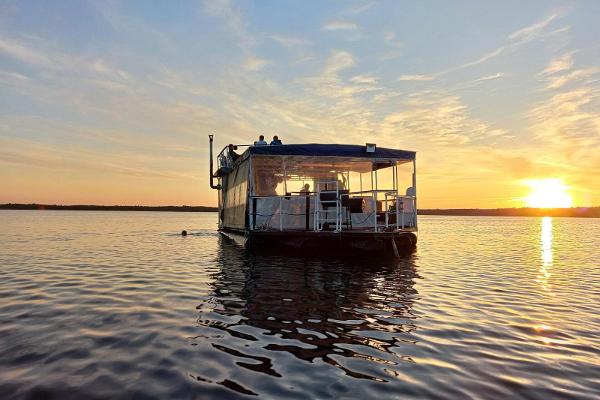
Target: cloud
44, 57
23, 53
437, 117
567, 122
360, 7
340, 25
65, 158
489, 77
337, 61
560, 64
417, 78
569, 117
364, 79
255, 64
231, 15
11, 77
330, 84
395, 47
556, 81
560, 72
515, 40
288, 41
474, 82
532, 31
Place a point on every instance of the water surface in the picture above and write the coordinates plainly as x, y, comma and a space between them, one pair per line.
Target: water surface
119, 305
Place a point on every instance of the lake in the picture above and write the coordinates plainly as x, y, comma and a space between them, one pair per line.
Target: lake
119, 305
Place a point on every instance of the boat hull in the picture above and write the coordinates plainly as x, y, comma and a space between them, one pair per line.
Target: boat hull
387, 244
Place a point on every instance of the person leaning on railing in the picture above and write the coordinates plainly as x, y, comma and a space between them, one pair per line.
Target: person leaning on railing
231, 152
275, 141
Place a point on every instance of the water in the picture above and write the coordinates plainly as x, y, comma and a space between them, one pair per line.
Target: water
119, 305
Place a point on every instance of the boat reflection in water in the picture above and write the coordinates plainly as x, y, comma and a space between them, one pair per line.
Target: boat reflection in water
321, 311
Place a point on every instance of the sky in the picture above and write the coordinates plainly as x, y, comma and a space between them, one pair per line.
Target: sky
111, 102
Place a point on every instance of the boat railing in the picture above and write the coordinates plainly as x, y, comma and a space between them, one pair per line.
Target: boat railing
397, 211
401, 213
292, 211
328, 199
225, 159
306, 211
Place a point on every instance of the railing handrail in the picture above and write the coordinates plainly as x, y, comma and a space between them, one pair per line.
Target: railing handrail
283, 195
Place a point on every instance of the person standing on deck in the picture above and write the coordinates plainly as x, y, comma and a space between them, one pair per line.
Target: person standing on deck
261, 141
275, 141
305, 191
232, 154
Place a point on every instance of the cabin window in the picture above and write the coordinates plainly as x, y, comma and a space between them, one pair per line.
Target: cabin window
268, 176
235, 196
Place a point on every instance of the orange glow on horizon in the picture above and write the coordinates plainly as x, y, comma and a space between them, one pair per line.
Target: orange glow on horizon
548, 193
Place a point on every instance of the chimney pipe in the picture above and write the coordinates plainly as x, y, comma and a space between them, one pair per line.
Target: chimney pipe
212, 184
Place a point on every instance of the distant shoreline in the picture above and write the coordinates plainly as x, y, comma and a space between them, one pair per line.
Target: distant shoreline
582, 212
87, 207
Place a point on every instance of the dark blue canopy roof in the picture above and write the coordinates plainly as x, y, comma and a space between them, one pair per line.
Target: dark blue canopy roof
331, 150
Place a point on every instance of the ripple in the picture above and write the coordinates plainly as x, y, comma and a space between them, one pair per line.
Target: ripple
119, 305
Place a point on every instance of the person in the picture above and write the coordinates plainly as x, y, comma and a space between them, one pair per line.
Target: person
276, 141
305, 191
261, 141
232, 154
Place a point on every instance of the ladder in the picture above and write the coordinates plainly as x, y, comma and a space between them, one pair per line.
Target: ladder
328, 198
398, 211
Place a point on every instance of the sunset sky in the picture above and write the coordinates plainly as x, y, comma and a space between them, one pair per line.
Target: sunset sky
111, 102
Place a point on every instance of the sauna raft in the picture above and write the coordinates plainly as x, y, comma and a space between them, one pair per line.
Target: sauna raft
317, 198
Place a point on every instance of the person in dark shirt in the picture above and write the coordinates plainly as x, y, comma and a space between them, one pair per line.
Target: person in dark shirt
232, 154
275, 141
305, 191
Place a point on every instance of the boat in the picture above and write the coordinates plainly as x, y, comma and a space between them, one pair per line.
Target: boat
314, 199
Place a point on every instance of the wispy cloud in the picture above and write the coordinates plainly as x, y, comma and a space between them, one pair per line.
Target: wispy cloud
567, 122
360, 7
395, 46
560, 72
23, 53
559, 64
532, 31
515, 40
489, 77
365, 79
289, 41
255, 63
416, 78
340, 25
13, 76
233, 19
438, 117
42, 55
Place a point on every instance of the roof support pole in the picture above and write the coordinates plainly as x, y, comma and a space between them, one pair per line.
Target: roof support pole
414, 185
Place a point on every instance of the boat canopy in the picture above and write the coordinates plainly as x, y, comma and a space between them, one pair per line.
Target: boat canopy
332, 150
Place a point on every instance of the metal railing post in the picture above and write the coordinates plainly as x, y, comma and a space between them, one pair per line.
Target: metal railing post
281, 213
398, 202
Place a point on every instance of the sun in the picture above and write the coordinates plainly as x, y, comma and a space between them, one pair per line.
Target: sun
548, 193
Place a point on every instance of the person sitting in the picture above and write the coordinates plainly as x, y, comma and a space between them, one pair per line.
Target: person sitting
261, 141
275, 141
232, 154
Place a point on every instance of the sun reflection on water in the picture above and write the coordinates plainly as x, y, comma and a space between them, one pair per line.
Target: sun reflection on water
546, 247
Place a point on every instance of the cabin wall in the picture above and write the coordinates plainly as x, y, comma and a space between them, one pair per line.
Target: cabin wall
235, 197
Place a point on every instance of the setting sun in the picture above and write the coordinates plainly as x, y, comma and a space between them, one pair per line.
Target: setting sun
548, 193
